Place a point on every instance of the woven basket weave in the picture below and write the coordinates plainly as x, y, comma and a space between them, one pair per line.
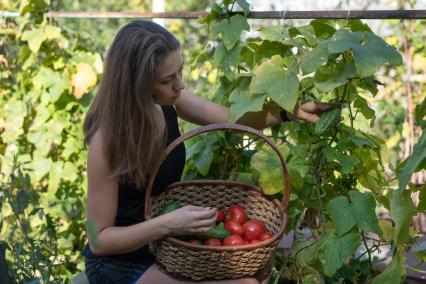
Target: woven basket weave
199, 262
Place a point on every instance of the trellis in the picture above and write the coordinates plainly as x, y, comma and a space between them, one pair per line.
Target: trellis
332, 14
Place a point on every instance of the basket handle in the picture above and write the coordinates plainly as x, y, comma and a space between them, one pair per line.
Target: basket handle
208, 128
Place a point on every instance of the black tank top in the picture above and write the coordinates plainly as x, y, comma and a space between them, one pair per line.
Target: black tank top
131, 199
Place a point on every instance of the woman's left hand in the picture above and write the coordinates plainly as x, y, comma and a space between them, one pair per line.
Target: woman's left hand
310, 111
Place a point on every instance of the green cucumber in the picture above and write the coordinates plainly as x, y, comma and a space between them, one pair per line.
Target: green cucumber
218, 232
328, 121
169, 207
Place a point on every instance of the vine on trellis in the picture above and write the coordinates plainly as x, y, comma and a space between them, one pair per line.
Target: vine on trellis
336, 168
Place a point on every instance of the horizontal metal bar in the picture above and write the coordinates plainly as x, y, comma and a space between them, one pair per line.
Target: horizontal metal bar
333, 14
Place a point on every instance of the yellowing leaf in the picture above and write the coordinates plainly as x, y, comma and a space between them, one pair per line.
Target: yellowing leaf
387, 229
84, 79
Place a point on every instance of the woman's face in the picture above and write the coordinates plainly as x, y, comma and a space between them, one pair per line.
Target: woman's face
169, 83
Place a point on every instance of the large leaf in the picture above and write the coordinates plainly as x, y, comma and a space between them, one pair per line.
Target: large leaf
360, 211
340, 212
272, 79
333, 251
329, 77
369, 51
34, 38
401, 211
224, 58
312, 60
231, 29
267, 163
395, 273
347, 163
416, 159
364, 210
242, 102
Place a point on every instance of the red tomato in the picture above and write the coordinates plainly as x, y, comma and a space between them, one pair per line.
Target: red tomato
246, 242
195, 242
220, 216
254, 242
265, 236
212, 242
233, 240
253, 229
234, 228
238, 214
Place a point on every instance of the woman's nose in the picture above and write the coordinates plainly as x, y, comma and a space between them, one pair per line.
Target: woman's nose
179, 85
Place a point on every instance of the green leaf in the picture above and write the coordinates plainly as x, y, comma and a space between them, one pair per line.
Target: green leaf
324, 29
34, 38
420, 112
231, 29
348, 163
362, 105
395, 273
273, 34
413, 161
204, 160
225, 59
364, 210
245, 6
341, 214
313, 59
242, 102
369, 51
267, 163
360, 211
333, 251
14, 114
329, 77
421, 207
281, 85
401, 211
52, 32
307, 32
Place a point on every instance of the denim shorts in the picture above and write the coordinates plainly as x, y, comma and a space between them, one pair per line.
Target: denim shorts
111, 270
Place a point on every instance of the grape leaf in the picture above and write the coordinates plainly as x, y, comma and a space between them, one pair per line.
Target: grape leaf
341, 214
413, 162
401, 211
364, 206
395, 273
242, 102
313, 59
360, 211
333, 251
231, 29
369, 51
272, 79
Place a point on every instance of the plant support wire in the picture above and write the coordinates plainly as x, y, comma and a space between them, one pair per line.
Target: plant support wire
333, 14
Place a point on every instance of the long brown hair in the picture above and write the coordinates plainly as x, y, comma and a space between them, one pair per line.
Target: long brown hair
132, 127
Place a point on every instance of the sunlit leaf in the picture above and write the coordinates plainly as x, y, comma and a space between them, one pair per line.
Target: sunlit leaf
231, 29
272, 79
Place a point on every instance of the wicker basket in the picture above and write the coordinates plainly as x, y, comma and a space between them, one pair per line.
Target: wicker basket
198, 262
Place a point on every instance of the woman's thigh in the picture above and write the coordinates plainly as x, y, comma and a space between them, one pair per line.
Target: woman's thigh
154, 275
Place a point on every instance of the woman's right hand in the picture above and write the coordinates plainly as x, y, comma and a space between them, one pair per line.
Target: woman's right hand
189, 220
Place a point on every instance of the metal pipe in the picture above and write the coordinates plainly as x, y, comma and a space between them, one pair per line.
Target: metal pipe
333, 14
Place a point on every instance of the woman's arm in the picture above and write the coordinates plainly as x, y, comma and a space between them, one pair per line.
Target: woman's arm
102, 202
200, 111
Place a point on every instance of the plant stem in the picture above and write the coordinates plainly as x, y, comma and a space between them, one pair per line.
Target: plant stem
317, 187
370, 263
416, 269
349, 105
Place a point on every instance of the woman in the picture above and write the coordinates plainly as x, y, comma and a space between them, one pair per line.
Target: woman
131, 120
